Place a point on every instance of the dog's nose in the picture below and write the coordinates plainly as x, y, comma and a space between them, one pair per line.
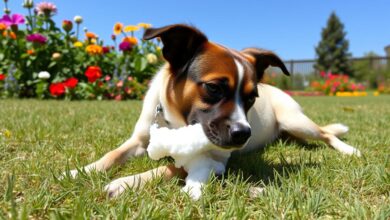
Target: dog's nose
239, 133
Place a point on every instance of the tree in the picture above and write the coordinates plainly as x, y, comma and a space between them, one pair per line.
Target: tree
332, 50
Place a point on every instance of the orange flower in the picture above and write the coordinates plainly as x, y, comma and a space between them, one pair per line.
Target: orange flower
118, 27
90, 35
131, 28
145, 25
12, 35
3, 27
131, 40
31, 52
94, 49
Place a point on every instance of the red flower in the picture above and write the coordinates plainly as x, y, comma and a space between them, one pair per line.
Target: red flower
2, 77
67, 25
106, 50
93, 73
71, 82
57, 89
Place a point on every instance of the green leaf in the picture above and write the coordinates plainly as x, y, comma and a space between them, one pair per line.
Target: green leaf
52, 63
140, 63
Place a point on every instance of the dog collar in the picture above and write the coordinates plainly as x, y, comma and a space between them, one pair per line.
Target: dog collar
159, 118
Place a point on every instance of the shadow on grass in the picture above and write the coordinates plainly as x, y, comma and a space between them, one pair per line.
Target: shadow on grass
256, 169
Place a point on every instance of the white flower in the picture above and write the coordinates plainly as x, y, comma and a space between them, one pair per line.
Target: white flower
85, 29
28, 4
44, 75
78, 19
152, 58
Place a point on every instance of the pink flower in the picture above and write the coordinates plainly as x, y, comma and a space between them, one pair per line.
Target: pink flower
323, 74
107, 78
336, 84
36, 38
130, 78
118, 97
46, 8
119, 84
16, 19
125, 46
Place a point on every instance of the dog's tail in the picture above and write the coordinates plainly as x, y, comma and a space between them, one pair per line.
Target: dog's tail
336, 129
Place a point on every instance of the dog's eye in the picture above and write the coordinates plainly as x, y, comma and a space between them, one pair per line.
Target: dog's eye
214, 91
251, 99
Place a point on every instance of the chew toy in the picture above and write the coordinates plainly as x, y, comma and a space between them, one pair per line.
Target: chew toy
191, 149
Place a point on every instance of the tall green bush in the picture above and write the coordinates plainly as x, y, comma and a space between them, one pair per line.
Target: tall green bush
332, 51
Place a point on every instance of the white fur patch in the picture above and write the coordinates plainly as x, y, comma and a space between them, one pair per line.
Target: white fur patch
239, 114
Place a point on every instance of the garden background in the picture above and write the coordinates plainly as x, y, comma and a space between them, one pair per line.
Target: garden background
44, 58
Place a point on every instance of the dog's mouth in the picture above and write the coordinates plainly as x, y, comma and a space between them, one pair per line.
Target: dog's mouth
215, 139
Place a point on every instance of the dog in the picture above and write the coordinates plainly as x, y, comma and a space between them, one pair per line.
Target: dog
207, 83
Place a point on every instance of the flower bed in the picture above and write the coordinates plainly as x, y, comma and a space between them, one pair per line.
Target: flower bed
351, 94
304, 93
40, 59
384, 87
337, 84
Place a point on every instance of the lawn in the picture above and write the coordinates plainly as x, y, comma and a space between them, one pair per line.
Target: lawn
302, 181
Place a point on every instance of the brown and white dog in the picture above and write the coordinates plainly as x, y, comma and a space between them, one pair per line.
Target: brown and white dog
204, 82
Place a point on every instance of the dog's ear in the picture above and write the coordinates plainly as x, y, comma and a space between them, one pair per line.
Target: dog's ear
262, 59
181, 42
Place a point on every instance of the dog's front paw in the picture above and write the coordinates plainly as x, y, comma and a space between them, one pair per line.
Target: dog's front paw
194, 191
116, 188
72, 174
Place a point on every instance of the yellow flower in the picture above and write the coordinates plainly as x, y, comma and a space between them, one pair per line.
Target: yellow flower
7, 133
118, 28
94, 49
376, 93
78, 44
131, 28
145, 25
131, 40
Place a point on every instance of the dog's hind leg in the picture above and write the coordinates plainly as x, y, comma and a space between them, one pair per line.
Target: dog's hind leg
294, 122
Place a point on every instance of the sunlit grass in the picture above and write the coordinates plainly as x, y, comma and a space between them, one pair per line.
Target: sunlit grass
301, 180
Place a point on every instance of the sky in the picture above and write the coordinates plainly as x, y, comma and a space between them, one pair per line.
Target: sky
290, 28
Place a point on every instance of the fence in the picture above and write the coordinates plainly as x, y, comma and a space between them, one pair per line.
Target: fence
366, 69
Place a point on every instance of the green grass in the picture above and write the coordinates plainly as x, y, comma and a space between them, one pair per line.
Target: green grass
302, 181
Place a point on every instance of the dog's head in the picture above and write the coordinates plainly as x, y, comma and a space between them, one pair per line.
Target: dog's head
211, 84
